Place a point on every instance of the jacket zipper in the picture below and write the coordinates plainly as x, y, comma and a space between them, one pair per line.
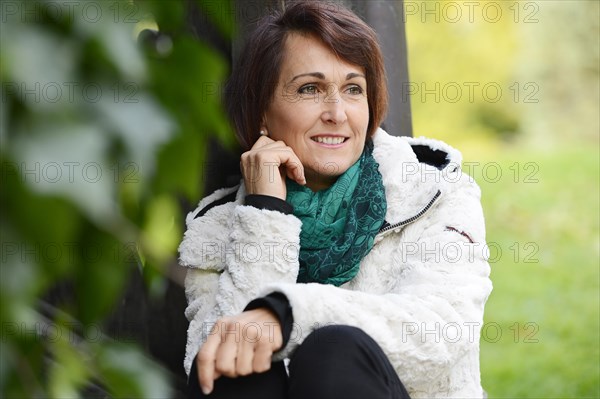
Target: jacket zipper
396, 226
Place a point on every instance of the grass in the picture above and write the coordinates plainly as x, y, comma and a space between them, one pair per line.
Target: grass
546, 300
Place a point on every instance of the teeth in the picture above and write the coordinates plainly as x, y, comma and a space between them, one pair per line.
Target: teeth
329, 140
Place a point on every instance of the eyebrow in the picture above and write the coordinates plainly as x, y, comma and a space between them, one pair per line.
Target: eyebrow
321, 76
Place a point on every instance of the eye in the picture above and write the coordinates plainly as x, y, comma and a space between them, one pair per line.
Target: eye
354, 90
309, 88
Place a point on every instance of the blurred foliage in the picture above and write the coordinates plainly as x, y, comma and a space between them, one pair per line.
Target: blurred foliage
100, 139
543, 207
487, 73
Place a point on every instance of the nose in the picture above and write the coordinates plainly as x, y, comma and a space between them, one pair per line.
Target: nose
334, 108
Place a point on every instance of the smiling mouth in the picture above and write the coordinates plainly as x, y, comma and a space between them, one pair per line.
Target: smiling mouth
329, 140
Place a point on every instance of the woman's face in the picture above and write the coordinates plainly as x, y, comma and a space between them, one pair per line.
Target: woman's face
319, 109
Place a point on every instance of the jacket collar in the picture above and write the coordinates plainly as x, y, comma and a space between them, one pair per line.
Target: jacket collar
411, 181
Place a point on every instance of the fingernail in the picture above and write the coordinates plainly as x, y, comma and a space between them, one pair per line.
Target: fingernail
205, 389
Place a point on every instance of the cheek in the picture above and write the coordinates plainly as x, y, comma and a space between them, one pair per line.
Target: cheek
360, 113
286, 121
365, 113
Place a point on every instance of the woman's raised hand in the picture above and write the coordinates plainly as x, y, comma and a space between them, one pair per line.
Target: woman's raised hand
267, 164
238, 346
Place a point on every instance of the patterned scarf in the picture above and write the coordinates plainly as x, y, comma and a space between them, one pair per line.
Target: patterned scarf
339, 223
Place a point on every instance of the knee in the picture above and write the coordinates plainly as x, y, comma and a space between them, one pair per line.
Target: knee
330, 345
339, 361
334, 337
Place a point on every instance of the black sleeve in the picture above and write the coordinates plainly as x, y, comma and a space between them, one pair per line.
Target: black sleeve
280, 306
268, 202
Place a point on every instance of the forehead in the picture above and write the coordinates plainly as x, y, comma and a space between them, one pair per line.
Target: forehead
306, 53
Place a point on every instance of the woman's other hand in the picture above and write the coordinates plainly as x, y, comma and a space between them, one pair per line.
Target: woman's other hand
239, 346
266, 166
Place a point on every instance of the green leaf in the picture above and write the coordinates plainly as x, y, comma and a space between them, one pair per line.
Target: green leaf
180, 165
100, 277
128, 374
142, 125
162, 231
69, 161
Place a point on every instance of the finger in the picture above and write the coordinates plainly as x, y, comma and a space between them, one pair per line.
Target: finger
245, 356
261, 142
262, 151
293, 167
274, 153
266, 143
226, 359
227, 352
206, 362
251, 338
280, 151
261, 361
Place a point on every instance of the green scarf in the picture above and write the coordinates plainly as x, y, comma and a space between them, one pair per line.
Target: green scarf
339, 223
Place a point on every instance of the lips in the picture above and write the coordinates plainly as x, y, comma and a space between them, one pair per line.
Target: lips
329, 140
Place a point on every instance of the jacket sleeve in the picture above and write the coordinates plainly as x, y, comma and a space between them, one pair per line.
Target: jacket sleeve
232, 253
431, 312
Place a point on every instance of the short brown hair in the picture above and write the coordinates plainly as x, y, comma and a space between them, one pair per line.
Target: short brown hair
254, 79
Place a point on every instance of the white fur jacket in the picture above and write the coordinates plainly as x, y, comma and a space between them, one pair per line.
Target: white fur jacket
420, 292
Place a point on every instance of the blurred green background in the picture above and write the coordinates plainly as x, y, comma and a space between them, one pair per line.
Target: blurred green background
515, 86
101, 141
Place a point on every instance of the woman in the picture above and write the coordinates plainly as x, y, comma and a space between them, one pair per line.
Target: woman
355, 254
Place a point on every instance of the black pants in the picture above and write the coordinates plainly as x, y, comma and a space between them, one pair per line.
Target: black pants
332, 362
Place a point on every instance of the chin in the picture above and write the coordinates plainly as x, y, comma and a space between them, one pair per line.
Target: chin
332, 167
